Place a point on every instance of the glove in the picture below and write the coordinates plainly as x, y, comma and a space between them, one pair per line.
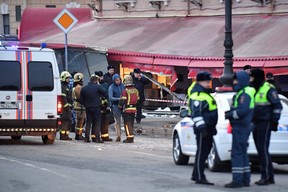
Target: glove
227, 115
273, 126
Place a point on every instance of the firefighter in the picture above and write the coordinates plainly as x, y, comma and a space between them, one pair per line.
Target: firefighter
128, 101
67, 102
78, 108
104, 108
267, 114
204, 114
240, 116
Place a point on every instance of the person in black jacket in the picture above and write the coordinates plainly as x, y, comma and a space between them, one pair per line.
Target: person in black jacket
90, 98
139, 82
108, 76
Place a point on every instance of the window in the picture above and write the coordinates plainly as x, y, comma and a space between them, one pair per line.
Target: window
40, 76
10, 76
18, 12
6, 24
50, 6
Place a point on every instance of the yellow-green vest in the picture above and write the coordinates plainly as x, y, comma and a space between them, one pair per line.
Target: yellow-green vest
202, 96
248, 90
261, 96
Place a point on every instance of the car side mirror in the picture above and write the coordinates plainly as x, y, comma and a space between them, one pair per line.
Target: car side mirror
184, 113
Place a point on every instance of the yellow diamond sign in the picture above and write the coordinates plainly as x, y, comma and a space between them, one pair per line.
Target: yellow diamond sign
65, 20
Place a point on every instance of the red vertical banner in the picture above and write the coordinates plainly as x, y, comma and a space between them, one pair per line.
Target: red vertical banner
174, 79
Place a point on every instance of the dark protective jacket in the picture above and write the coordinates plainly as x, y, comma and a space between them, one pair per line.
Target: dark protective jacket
90, 95
201, 114
129, 99
67, 99
242, 108
108, 78
271, 109
104, 98
114, 91
140, 84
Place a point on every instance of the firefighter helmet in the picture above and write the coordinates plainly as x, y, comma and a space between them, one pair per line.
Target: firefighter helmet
64, 75
78, 77
128, 80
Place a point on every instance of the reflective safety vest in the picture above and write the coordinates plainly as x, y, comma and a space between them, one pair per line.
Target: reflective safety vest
261, 96
250, 91
202, 96
189, 94
129, 99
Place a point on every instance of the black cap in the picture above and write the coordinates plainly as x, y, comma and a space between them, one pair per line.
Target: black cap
99, 73
269, 75
247, 67
110, 67
203, 76
137, 70
258, 74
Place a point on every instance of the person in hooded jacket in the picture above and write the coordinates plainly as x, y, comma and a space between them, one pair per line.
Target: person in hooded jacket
114, 95
204, 115
267, 114
240, 116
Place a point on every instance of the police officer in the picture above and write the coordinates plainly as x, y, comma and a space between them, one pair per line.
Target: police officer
78, 107
204, 115
104, 106
67, 102
267, 114
128, 101
240, 116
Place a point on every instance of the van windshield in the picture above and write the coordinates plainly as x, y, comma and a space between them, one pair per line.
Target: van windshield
10, 76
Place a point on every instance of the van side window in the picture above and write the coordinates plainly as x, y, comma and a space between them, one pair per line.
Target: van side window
10, 76
40, 76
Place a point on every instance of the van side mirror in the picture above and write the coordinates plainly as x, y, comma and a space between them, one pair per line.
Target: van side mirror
184, 113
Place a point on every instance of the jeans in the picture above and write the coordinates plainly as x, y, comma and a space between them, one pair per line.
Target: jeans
117, 116
93, 119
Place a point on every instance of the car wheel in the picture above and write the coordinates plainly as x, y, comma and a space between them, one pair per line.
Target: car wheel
48, 139
16, 138
178, 156
214, 163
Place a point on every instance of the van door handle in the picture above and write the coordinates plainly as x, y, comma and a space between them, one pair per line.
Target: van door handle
29, 98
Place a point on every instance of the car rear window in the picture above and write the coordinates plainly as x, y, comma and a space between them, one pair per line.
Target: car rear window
10, 76
40, 76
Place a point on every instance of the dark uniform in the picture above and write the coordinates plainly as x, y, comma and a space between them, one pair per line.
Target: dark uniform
240, 116
90, 98
139, 84
128, 101
204, 115
108, 76
267, 113
104, 105
67, 102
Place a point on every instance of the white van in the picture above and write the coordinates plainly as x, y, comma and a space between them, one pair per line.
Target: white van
30, 93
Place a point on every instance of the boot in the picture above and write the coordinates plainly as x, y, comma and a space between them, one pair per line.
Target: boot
87, 140
128, 141
65, 137
118, 139
262, 182
79, 137
107, 139
99, 141
233, 185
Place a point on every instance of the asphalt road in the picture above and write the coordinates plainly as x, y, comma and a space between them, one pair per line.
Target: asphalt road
146, 165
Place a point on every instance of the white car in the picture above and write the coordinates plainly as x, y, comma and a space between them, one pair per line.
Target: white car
184, 142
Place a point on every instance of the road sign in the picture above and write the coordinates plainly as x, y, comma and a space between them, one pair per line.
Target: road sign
65, 20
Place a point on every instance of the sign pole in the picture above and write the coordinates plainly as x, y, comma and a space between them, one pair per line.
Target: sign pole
66, 52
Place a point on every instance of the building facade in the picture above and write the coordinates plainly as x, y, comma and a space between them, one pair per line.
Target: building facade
11, 10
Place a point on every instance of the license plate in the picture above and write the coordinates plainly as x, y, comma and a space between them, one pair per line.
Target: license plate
283, 128
9, 105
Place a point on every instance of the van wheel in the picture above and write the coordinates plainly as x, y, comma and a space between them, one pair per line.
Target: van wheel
178, 156
48, 139
214, 162
16, 138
